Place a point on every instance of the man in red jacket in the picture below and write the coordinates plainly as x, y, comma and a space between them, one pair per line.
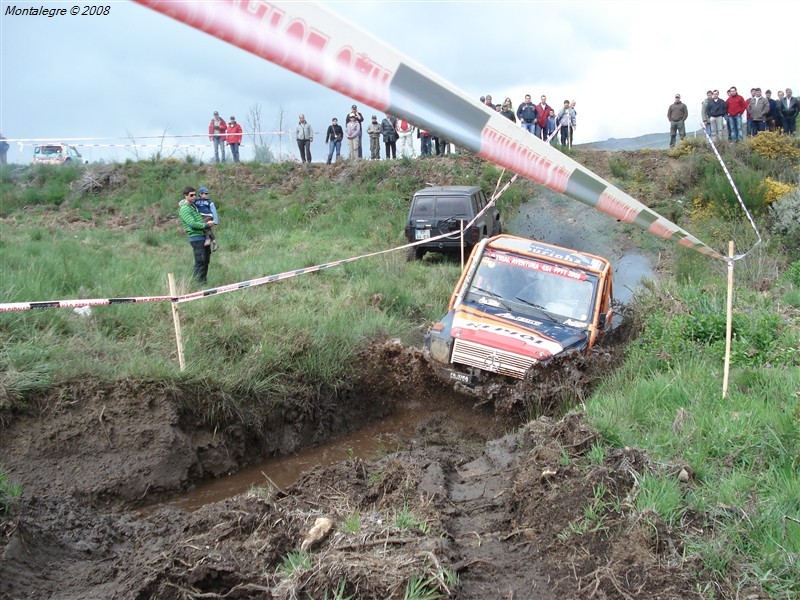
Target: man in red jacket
234, 138
736, 106
216, 133
542, 112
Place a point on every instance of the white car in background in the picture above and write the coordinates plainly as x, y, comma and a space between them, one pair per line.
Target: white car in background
56, 154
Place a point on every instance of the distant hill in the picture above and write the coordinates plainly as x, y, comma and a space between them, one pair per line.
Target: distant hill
654, 141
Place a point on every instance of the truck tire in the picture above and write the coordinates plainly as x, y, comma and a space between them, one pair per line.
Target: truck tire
415, 253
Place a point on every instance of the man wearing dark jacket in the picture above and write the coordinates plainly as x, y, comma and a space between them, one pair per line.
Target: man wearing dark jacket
389, 135
716, 111
677, 113
774, 114
526, 113
334, 139
790, 106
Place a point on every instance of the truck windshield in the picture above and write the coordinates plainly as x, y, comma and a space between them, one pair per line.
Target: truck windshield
534, 286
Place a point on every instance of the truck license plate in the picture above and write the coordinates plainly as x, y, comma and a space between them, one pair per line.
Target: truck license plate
423, 234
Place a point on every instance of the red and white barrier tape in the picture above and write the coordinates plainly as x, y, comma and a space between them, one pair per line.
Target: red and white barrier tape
310, 40
738, 196
20, 306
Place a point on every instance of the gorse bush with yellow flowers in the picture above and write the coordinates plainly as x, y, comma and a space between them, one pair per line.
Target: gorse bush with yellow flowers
771, 144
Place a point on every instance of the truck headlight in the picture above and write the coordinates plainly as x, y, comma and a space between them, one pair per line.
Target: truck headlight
440, 349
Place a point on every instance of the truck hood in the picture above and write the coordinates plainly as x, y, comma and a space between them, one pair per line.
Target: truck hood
514, 332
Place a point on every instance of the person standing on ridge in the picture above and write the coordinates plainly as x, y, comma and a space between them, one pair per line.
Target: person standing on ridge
374, 132
234, 136
736, 106
333, 137
360, 118
195, 227
716, 110
389, 136
405, 132
352, 131
677, 113
216, 133
542, 112
790, 107
4, 146
566, 121
305, 135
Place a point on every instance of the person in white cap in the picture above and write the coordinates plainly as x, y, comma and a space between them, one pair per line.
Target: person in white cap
360, 118
216, 133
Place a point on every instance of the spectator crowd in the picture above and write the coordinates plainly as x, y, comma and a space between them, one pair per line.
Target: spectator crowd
730, 119
390, 132
734, 118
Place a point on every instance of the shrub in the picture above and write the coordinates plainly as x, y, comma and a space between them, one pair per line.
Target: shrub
619, 168
792, 274
786, 220
715, 191
688, 146
773, 190
770, 144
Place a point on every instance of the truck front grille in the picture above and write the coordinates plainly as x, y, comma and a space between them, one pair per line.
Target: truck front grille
491, 359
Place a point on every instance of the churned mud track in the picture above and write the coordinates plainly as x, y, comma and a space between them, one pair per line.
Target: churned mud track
510, 520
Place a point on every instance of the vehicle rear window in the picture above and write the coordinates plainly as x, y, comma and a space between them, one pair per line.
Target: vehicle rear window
423, 206
447, 206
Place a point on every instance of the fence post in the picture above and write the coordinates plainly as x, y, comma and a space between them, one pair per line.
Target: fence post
461, 227
729, 324
176, 320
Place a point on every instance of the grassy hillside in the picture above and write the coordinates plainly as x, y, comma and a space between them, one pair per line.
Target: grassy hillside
121, 237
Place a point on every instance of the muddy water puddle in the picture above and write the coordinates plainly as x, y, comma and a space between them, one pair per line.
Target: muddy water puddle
412, 424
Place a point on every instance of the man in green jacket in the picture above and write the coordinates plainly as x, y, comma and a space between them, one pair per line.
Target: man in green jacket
195, 227
677, 113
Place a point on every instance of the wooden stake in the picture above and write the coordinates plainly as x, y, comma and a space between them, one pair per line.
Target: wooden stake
461, 226
176, 320
729, 325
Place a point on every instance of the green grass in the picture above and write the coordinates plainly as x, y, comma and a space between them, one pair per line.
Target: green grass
291, 338
405, 518
9, 492
352, 523
744, 448
294, 562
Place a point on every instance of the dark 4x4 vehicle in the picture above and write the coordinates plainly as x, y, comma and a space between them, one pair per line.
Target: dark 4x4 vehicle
439, 210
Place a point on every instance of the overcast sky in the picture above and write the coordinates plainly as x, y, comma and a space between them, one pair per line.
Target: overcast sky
137, 73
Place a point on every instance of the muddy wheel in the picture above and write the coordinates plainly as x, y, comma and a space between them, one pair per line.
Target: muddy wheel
415, 253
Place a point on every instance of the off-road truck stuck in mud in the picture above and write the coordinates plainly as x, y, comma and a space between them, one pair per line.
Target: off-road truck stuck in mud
520, 302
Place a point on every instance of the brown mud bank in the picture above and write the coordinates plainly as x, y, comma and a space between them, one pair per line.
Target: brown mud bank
130, 443
533, 514
119, 445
